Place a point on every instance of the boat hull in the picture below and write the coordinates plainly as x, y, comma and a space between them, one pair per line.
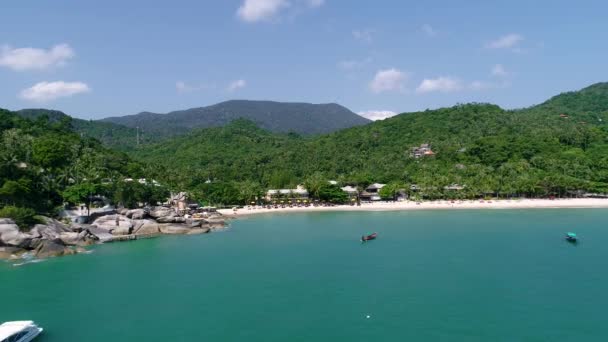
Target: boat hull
369, 237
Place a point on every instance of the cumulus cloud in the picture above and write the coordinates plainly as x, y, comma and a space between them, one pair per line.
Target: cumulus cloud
238, 84
258, 10
252, 11
509, 41
315, 3
377, 114
499, 71
428, 30
48, 91
364, 35
388, 80
21, 59
440, 84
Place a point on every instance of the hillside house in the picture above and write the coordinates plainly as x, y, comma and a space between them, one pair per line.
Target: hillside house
423, 150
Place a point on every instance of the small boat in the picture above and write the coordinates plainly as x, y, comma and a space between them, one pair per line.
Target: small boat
368, 237
571, 237
19, 331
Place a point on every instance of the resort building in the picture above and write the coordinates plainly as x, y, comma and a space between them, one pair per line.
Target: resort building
423, 150
372, 192
298, 193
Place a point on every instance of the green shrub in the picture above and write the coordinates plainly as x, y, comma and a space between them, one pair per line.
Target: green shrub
23, 217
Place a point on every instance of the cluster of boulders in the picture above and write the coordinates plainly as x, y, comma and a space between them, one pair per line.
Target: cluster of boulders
54, 238
50, 238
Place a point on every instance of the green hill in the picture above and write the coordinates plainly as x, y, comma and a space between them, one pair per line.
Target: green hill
532, 152
111, 135
278, 117
44, 164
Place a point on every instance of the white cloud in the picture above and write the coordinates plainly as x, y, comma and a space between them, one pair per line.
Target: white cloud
365, 35
354, 64
258, 10
238, 84
440, 84
388, 80
428, 30
377, 114
316, 3
28, 58
183, 87
47, 91
510, 41
499, 71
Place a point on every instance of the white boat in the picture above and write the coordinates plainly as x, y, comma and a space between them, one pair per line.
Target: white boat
19, 331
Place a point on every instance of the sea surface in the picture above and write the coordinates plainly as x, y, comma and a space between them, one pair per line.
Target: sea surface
501, 275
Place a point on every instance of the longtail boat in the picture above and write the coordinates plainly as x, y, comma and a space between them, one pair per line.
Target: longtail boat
368, 237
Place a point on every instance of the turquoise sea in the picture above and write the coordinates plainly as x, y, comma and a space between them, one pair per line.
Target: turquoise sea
501, 275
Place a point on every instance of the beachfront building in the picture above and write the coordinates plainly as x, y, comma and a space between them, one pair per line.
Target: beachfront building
371, 193
299, 193
423, 150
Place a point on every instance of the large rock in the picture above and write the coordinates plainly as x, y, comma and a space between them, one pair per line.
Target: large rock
124, 227
136, 214
146, 227
174, 229
53, 248
194, 231
194, 223
216, 222
31, 243
10, 235
157, 212
166, 219
83, 238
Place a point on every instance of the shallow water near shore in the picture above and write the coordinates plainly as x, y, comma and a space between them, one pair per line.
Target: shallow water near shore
505, 275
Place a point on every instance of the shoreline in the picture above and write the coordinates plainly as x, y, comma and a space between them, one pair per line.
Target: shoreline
573, 203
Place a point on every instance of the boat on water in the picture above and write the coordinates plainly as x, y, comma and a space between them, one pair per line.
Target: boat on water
19, 331
368, 237
571, 237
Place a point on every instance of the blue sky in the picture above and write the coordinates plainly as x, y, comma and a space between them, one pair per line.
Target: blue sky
95, 59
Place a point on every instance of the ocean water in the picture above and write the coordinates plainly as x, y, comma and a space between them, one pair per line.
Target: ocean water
501, 275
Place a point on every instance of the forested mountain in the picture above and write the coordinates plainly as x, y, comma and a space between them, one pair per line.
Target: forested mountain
558, 147
44, 164
111, 135
278, 117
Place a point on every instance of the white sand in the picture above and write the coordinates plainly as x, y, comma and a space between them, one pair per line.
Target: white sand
438, 205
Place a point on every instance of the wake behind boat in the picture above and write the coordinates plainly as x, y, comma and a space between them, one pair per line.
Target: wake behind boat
19, 331
368, 237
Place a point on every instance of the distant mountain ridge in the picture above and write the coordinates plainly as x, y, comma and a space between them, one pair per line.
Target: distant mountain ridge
277, 117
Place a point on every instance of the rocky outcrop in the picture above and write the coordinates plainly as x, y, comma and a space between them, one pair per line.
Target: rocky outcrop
158, 212
136, 214
54, 238
109, 223
146, 227
173, 229
52, 248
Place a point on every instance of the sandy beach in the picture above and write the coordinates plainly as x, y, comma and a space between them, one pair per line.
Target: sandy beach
432, 205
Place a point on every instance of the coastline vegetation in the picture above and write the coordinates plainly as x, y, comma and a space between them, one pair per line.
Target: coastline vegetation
45, 164
558, 148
